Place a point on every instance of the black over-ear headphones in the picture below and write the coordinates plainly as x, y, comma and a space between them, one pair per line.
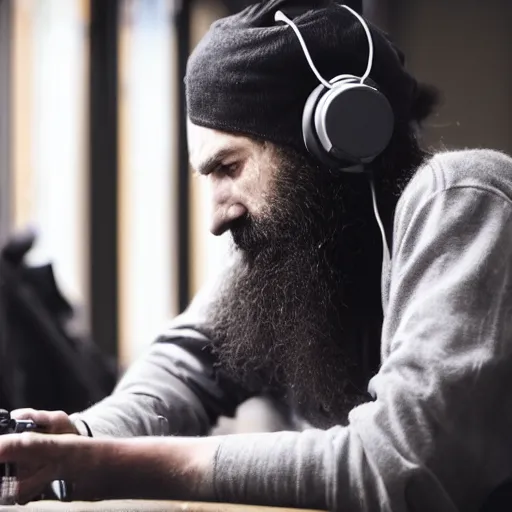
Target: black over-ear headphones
347, 122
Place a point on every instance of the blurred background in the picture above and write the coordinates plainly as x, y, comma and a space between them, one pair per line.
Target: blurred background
93, 145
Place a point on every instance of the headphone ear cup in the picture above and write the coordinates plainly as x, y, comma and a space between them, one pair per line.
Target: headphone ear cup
311, 140
353, 122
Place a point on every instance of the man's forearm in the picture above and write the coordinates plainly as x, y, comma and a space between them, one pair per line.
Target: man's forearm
153, 386
152, 468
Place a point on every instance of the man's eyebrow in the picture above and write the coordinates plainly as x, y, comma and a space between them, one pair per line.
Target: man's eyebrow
214, 161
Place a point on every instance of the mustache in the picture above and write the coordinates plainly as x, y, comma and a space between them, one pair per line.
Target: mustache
250, 235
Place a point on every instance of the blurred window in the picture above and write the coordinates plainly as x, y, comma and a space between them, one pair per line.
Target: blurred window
48, 133
147, 172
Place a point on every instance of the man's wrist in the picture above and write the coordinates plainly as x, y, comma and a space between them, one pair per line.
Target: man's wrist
88, 467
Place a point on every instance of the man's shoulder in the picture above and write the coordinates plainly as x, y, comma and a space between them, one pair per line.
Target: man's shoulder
484, 169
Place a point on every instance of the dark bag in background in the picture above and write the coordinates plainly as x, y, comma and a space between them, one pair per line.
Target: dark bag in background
43, 363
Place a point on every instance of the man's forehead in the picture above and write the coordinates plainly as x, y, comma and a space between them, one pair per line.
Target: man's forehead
206, 145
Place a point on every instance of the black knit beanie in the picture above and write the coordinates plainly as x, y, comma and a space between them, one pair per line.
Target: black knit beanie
249, 75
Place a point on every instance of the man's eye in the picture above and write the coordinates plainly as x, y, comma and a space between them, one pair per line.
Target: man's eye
227, 169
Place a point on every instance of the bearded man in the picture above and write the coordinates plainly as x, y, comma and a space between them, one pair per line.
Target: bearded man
395, 373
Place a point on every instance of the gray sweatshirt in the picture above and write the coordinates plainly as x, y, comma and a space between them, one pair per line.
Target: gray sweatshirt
438, 435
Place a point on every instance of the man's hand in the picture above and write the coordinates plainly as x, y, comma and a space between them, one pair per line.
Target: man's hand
39, 459
49, 422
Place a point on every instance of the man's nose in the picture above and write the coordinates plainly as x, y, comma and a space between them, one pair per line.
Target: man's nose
225, 206
224, 216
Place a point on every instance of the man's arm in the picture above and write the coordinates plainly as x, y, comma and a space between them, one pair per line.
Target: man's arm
167, 381
176, 378
137, 468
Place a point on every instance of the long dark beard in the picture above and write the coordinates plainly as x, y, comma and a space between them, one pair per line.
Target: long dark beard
300, 314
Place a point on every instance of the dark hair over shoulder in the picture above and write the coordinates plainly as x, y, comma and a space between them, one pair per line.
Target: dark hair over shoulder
426, 99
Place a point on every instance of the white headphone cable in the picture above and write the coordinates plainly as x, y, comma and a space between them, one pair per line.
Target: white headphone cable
280, 16
386, 256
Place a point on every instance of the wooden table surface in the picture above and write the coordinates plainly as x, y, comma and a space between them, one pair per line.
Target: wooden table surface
141, 506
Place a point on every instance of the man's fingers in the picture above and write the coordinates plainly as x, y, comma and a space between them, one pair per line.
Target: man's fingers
33, 455
24, 414
41, 418
54, 422
34, 485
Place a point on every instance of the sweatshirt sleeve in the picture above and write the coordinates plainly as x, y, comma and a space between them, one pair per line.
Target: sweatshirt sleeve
175, 378
438, 434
